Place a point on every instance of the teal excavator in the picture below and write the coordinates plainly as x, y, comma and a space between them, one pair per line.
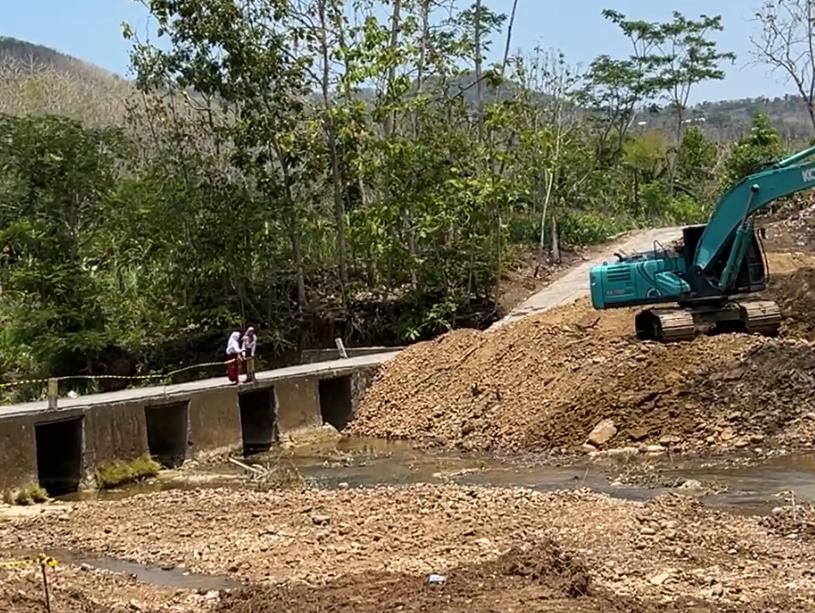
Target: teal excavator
710, 274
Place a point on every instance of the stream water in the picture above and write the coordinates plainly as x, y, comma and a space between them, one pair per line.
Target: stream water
740, 484
154, 575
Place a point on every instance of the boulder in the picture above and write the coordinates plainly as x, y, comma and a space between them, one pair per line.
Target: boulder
602, 433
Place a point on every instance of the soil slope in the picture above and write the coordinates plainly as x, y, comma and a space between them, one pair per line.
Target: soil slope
544, 382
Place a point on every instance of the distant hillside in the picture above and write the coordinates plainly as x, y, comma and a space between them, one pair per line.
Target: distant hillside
38, 80
727, 120
34, 58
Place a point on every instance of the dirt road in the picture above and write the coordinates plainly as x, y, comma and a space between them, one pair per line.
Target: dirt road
574, 284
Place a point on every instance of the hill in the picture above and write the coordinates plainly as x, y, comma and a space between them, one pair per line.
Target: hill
37, 79
727, 120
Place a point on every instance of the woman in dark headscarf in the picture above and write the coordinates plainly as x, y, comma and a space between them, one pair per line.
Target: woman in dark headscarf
248, 345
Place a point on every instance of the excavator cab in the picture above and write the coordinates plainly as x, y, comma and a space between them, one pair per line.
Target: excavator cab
751, 276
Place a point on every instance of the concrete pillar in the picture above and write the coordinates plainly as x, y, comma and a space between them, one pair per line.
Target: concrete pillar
215, 422
298, 405
18, 453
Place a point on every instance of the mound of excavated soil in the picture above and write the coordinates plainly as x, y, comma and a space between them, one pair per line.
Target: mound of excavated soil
546, 381
795, 294
538, 571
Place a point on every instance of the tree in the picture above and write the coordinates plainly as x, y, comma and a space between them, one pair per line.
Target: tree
761, 146
645, 157
614, 89
785, 43
548, 127
672, 58
696, 165
686, 57
56, 178
243, 54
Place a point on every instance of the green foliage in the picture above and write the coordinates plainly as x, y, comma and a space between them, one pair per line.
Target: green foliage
288, 166
55, 178
697, 158
646, 155
760, 147
684, 210
591, 228
32, 493
118, 472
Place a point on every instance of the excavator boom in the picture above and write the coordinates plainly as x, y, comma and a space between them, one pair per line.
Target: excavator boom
704, 280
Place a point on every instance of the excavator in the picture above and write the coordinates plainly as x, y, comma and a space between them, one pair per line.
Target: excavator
706, 279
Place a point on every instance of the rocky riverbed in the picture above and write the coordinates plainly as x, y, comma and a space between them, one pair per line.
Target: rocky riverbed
374, 549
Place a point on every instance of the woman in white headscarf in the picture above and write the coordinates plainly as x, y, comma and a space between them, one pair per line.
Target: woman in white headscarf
233, 354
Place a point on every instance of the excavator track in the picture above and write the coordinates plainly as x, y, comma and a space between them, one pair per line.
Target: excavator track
684, 323
667, 325
760, 317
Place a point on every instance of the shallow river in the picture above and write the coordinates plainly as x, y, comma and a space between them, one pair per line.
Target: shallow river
741, 484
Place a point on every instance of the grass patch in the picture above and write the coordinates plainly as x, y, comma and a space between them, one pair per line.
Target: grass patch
118, 472
26, 495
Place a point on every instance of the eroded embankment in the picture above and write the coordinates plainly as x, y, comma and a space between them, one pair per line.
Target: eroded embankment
546, 381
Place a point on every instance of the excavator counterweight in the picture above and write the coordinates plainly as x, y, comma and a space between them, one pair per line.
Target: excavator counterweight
707, 279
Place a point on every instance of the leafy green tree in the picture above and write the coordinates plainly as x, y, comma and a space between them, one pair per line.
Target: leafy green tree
56, 179
672, 58
758, 148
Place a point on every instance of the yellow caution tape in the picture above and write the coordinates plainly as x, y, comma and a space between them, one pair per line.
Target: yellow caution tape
168, 375
42, 560
22, 382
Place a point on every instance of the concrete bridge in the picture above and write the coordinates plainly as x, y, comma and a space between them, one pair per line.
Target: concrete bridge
59, 448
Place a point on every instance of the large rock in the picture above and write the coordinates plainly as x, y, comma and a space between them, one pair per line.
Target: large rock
602, 433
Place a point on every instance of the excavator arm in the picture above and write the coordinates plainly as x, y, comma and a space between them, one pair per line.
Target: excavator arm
718, 265
729, 222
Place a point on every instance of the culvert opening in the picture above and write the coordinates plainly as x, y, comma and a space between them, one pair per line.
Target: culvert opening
167, 433
335, 401
257, 420
59, 455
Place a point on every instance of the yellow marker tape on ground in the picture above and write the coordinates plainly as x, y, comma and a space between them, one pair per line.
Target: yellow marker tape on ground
40, 561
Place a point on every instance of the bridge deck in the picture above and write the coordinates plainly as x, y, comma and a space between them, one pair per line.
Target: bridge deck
166, 391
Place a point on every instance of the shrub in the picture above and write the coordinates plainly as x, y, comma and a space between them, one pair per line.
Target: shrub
118, 472
29, 494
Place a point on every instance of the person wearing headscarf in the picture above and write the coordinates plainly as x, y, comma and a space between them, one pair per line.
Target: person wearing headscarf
233, 354
248, 345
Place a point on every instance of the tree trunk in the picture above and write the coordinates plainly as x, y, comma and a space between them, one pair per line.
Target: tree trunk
555, 241
294, 229
425, 18
331, 133
479, 86
390, 118
507, 45
672, 162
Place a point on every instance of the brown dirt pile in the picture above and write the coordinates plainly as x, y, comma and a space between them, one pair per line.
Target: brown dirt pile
793, 231
544, 382
539, 573
795, 294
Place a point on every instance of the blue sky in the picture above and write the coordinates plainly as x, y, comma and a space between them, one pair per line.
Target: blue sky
90, 29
